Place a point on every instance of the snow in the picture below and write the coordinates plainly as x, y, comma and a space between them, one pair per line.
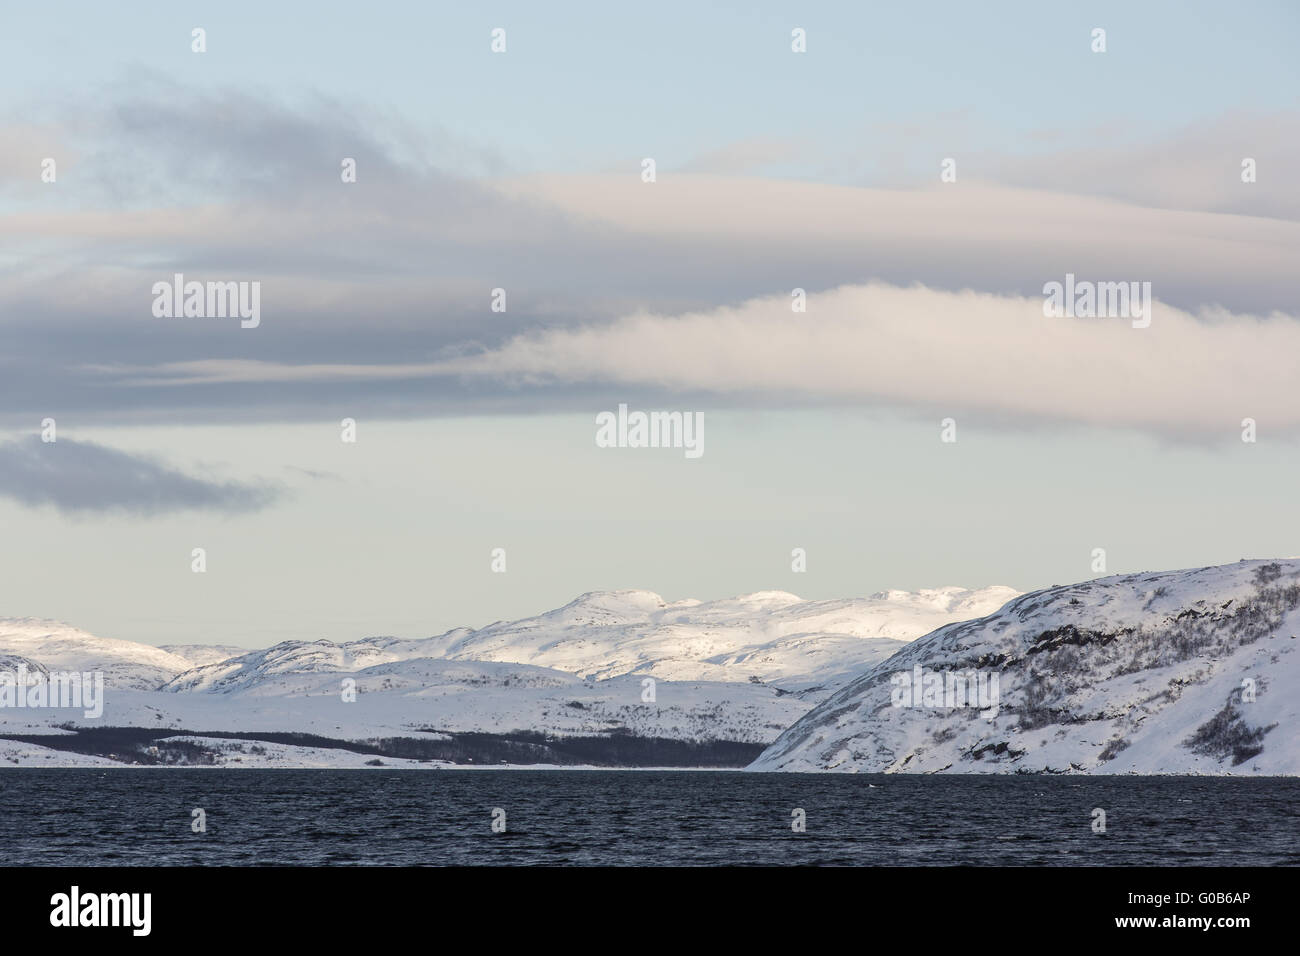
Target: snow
740, 669
1137, 673
61, 647
199, 654
771, 635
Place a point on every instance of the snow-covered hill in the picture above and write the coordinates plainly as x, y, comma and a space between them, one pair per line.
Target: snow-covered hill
1175, 672
735, 670
200, 654
1194, 671
770, 635
423, 696
60, 647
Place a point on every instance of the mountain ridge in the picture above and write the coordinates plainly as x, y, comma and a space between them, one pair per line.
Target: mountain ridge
1187, 671
1191, 671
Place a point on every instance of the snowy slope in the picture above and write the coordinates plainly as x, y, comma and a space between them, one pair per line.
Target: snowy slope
739, 670
397, 697
771, 635
422, 696
64, 648
200, 654
1139, 673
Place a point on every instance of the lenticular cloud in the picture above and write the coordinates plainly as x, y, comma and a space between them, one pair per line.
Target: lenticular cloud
930, 349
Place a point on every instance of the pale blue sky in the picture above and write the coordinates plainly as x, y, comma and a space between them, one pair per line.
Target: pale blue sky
777, 170
586, 85
398, 538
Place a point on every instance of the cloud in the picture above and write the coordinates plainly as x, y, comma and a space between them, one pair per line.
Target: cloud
372, 291
743, 156
965, 352
1196, 168
79, 477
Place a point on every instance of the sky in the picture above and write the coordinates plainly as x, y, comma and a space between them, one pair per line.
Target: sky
522, 171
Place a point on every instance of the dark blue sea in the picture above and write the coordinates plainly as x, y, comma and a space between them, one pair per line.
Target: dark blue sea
578, 817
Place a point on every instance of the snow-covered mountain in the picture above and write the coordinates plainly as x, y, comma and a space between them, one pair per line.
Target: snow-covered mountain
1194, 671
60, 647
200, 654
1177, 672
772, 636
741, 669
